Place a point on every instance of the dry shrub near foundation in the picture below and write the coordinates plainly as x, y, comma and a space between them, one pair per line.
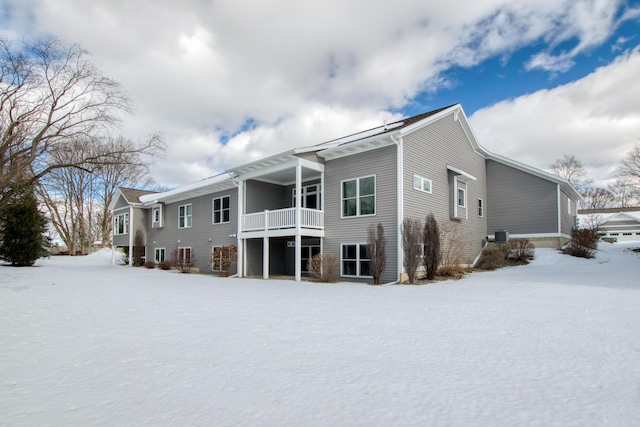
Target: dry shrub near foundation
323, 267
519, 251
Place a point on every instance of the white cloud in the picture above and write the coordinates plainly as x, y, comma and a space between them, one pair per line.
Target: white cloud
301, 71
595, 118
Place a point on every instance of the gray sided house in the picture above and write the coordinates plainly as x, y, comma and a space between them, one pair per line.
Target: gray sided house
282, 210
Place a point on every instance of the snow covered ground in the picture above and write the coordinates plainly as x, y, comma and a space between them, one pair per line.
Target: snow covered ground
557, 342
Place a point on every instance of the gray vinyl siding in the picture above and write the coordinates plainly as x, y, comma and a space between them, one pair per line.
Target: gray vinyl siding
427, 152
139, 222
262, 196
202, 236
567, 218
519, 202
121, 202
382, 164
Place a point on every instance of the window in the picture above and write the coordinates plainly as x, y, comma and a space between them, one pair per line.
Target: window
422, 184
310, 197
156, 215
184, 216
462, 197
216, 263
121, 224
355, 261
184, 256
480, 208
221, 210
359, 197
159, 255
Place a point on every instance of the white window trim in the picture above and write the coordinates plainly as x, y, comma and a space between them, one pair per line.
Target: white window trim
182, 249
306, 192
159, 222
213, 211
155, 254
185, 216
375, 196
480, 208
116, 222
357, 259
422, 181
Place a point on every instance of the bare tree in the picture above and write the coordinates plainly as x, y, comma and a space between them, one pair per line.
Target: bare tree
377, 250
411, 246
624, 191
630, 165
431, 239
50, 93
571, 169
597, 198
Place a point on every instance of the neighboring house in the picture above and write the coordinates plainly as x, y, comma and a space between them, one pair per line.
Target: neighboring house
282, 210
616, 224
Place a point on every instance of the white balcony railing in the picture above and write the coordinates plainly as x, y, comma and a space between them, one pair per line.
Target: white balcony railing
282, 218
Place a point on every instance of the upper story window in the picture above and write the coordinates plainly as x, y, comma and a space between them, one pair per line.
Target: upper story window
121, 224
462, 197
359, 196
221, 209
310, 196
480, 208
184, 216
422, 184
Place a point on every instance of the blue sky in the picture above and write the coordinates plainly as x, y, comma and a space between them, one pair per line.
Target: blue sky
230, 81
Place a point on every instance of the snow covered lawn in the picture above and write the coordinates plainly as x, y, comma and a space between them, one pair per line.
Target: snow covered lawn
557, 342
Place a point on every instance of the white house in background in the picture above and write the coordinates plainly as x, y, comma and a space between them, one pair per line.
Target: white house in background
619, 224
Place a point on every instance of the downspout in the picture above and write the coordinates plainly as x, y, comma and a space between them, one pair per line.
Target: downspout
130, 235
559, 210
400, 204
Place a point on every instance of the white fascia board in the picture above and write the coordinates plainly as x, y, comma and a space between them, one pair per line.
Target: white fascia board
207, 185
461, 172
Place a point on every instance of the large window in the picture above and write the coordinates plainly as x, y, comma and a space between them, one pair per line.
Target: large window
159, 255
359, 197
221, 210
184, 216
355, 261
184, 256
422, 184
121, 224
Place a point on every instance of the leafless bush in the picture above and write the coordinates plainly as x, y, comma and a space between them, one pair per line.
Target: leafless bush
323, 267
149, 264
583, 243
377, 249
520, 251
164, 265
223, 258
491, 258
431, 239
452, 250
183, 259
411, 240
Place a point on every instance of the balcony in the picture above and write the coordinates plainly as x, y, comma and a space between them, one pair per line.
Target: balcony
282, 219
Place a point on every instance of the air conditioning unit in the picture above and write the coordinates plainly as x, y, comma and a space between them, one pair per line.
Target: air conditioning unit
501, 236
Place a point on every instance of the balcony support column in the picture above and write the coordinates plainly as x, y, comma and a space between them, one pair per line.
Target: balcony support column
265, 258
240, 247
298, 240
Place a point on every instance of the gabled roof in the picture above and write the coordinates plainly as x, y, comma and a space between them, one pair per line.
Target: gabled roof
130, 195
206, 186
133, 195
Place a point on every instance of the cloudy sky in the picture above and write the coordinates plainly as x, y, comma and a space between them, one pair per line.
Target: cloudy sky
229, 81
